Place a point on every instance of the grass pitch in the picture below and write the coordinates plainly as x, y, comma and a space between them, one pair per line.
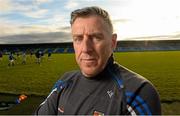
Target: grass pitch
161, 68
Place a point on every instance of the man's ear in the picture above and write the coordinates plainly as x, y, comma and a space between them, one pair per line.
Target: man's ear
114, 41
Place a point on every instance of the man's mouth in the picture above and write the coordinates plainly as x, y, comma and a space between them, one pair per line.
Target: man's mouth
88, 59
91, 60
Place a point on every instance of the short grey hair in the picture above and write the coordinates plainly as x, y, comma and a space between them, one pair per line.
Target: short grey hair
89, 11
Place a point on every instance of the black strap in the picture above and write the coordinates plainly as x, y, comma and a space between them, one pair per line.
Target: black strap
116, 75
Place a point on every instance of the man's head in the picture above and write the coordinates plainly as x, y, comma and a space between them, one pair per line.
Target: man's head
93, 39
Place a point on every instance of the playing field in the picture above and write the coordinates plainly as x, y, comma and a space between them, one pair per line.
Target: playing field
161, 68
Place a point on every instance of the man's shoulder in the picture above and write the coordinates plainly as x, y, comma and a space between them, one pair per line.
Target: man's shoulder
65, 79
140, 91
128, 74
70, 75
133, 80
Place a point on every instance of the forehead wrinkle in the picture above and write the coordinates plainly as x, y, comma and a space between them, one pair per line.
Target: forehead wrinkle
86, 31
89, 28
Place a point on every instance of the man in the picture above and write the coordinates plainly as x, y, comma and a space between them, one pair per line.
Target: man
38, 57
49, 54
101, 87
24, 57
11, 59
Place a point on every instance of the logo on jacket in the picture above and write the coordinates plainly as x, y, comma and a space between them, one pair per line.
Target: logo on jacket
96, 113
61, 109
110, 93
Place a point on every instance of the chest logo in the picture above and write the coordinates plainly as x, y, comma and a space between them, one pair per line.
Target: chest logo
96, 113
61, 109
110, 93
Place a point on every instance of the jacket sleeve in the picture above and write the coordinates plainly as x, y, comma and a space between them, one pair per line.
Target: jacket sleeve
50, 105
144, 101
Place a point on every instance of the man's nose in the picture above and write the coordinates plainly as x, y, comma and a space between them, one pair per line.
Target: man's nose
87, 44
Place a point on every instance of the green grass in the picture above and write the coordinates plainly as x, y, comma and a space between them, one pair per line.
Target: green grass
33, 78
161, 68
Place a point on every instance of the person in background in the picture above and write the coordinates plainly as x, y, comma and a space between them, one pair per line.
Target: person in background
31, 54
11, 59
101, 86
24, 57
38, 57
49, 55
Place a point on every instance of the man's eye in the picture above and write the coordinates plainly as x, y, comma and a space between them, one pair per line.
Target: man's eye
77, 39
97, 38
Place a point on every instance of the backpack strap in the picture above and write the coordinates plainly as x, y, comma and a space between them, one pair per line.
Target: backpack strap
116, 76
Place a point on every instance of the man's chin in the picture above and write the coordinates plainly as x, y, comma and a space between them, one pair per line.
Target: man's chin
89, 73
89, 63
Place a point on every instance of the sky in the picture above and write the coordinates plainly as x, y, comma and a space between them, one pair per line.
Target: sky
47, 21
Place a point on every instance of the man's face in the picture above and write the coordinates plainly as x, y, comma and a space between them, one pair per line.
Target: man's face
93, 44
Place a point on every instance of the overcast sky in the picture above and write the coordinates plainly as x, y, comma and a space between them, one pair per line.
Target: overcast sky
39, 21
